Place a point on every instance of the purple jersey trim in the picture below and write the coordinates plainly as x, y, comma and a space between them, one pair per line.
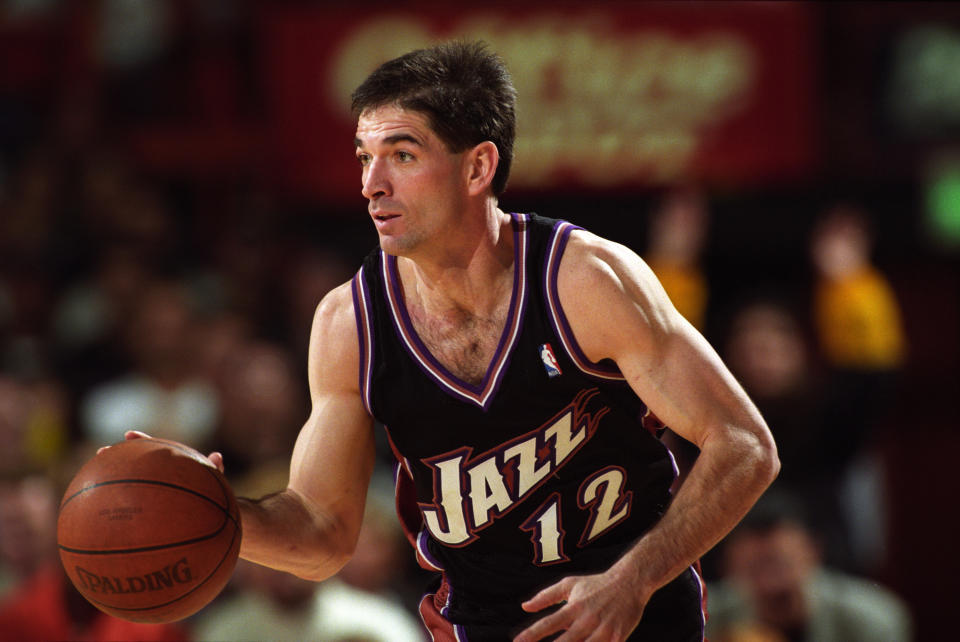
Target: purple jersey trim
551, 269
362, 307
423, 551
701, 591
482, 394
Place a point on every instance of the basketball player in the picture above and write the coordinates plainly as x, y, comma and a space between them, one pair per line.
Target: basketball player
520, 365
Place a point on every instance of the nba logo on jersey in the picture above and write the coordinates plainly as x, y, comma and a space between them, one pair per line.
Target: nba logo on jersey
549, 361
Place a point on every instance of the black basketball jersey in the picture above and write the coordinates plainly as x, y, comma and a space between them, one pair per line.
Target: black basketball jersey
550, 466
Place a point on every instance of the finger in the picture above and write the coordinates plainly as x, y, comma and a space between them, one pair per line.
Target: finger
129, 435
217, 460
553, 594
571, 635
545, 626
586, 626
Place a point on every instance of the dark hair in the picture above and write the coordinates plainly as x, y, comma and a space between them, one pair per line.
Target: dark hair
775, 508
463, 89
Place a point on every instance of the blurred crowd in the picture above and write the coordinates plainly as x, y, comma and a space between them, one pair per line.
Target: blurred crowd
109, 322
822, 372
179, 307
128, 301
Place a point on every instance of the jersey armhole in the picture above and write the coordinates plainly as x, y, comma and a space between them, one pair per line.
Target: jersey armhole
559, 237
363, 311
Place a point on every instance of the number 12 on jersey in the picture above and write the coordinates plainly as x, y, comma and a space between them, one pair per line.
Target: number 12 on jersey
602, 493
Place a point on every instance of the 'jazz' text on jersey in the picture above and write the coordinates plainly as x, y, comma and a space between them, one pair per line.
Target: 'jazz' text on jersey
470, 492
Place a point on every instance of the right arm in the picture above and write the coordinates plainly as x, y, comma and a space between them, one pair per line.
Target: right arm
310, 529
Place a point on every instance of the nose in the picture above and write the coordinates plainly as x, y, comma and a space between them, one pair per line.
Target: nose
376, 183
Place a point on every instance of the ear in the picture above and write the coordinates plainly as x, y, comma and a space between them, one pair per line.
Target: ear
481, 165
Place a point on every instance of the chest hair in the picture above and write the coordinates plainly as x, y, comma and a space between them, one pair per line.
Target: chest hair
462, 342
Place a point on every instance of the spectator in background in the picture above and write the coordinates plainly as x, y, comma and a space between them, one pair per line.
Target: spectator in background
357, 604
677, 235
27, 542
678, 230
29, 256
259, 604
30, 209
42, 604
217, 337
114, 206
861, 342
857, 314
309, 275
14, 413
90, 314
242, 250
262, 404
163, 394
120, 233
776, 588
772, 357
33, 424
858, 325
382, 564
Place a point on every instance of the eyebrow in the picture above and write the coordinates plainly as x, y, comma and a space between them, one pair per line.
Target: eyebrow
393, 140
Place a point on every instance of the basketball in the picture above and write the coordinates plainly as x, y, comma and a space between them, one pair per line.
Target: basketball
149, 531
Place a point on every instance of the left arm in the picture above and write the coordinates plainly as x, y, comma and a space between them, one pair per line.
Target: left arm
618, 310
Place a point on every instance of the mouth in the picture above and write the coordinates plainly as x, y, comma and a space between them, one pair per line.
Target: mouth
382, 217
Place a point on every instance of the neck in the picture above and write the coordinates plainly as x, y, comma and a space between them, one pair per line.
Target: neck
471, 274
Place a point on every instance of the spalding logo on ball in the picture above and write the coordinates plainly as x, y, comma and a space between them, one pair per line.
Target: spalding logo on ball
149, 531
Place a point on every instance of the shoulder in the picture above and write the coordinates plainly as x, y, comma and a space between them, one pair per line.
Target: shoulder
607, 291
591, 261
335, 313
334, 347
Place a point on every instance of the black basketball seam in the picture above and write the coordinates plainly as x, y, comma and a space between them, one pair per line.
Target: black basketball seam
180, 597
152, 482
217, 476
227, 494
141, 549
229, 501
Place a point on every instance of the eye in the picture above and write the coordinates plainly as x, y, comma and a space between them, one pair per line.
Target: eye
404, 157
363, 158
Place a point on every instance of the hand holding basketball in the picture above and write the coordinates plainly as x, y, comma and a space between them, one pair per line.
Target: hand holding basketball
149, 530
214, 458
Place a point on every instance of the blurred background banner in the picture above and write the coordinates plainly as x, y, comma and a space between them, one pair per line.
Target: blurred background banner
611, 95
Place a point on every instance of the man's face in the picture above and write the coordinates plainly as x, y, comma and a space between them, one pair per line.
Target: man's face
415, 186
773, 568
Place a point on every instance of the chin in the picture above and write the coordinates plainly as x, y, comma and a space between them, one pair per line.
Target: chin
391, 247
396, 246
